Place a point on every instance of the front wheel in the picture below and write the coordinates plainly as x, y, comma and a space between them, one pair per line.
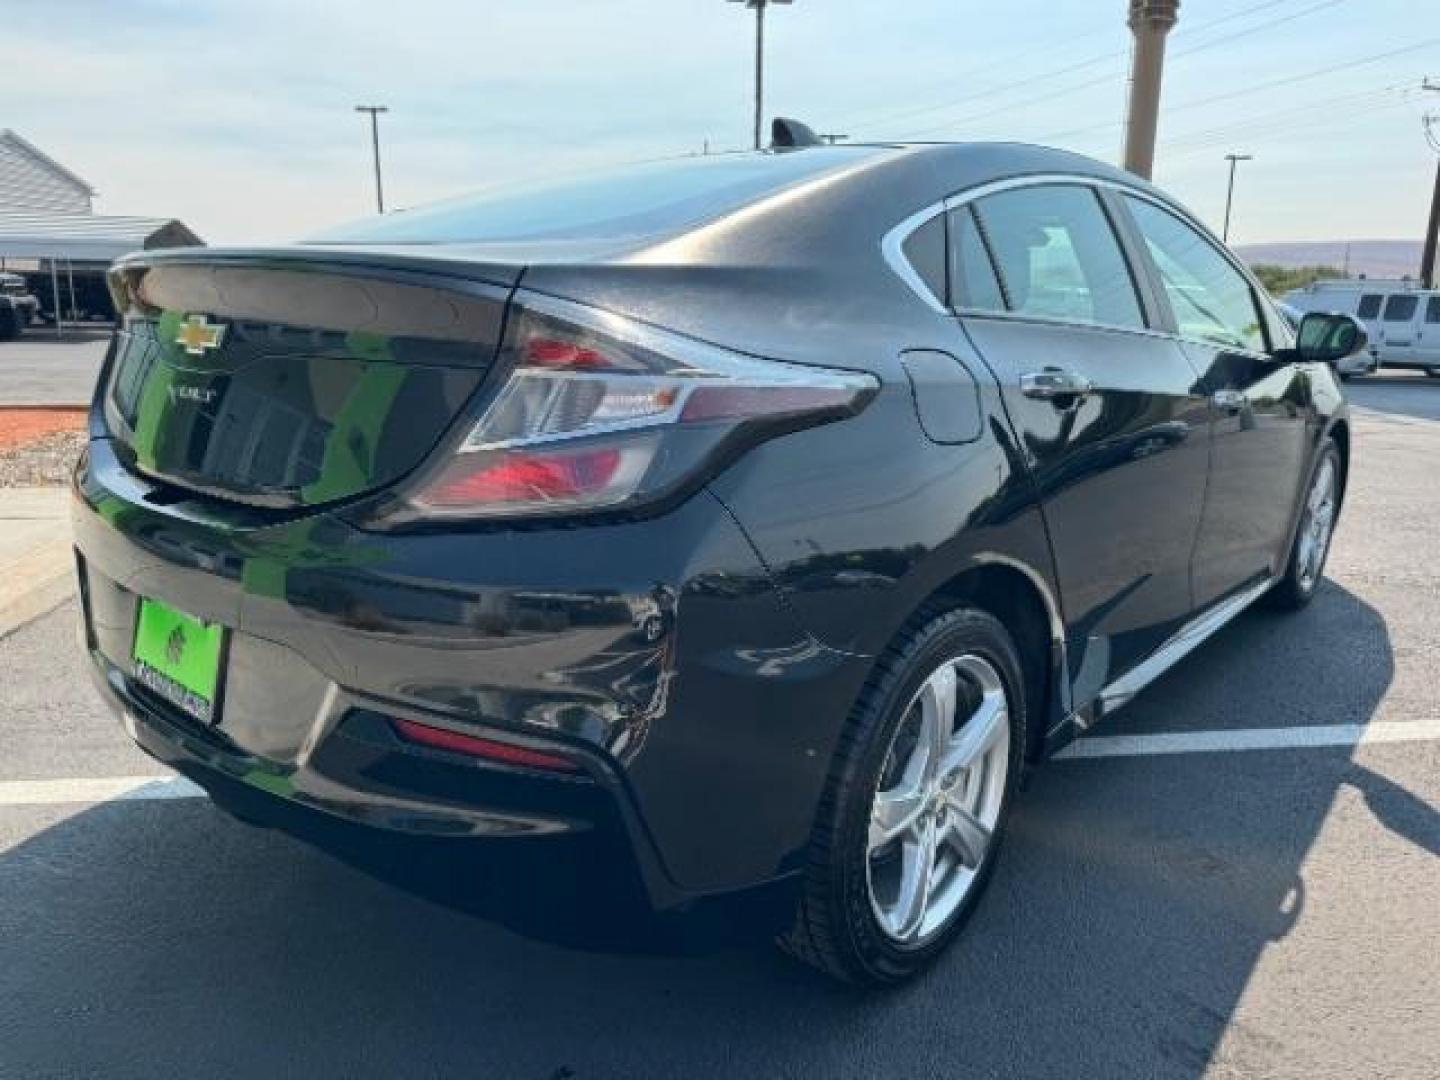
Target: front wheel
1306, 565
911, 821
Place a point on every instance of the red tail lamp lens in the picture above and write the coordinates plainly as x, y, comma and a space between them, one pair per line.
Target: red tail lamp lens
558, 353
475, 746
520, 476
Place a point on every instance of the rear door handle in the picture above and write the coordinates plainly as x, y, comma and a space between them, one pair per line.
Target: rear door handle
1231, 401
1055, 383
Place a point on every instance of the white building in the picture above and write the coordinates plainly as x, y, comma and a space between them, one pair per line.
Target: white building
50, 233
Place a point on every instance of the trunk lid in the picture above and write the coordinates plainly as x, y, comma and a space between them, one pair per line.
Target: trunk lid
295, 380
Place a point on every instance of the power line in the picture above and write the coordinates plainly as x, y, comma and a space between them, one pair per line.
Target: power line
1005, 61
1314, 73
1373, 97
1295, 126
1070, 89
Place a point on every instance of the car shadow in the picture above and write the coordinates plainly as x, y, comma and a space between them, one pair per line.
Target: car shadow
1125, 919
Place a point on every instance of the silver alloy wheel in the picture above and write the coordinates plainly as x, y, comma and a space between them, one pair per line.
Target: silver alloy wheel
1318, 524
938, 798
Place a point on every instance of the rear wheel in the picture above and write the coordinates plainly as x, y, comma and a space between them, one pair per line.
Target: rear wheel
1306, 566
912, 818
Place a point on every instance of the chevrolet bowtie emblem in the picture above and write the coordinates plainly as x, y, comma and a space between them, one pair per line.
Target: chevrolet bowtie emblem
199, 336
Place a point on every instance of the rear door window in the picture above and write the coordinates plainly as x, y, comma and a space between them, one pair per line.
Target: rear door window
1369, 306
1432, 310
973, 285
1400, 308
1212, 301
1058, 257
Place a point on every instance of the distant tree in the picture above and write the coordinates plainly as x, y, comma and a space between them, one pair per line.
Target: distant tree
1281, 279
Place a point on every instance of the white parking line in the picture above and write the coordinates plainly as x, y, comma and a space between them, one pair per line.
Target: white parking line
1291, 738
101, 789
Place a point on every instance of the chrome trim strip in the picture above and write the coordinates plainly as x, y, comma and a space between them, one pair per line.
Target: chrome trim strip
1190, 637
892, 246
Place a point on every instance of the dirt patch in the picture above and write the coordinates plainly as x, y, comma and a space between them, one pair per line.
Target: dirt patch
19, 427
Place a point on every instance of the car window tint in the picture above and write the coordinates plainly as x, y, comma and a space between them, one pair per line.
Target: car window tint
1369, 306
1058, 257
925, 252
1212, 301
973, 285
1401, 308
1432, 310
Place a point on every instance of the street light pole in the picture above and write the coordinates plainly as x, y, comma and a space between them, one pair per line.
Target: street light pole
1230, 190
759, 7
375, 111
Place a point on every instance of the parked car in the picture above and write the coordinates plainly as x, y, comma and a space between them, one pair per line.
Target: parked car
1401, 317
775, 512
24, 308
1361, 363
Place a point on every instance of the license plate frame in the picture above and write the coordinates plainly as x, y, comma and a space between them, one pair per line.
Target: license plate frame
180, 657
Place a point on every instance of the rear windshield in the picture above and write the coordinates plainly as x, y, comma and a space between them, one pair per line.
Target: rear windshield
649, 199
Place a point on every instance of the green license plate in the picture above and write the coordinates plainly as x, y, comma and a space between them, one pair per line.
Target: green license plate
178, 657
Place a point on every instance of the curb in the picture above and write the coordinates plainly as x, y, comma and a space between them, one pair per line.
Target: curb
49, 573
47, 406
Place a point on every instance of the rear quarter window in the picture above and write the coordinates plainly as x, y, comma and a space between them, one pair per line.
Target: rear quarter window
1369, 306
925, 252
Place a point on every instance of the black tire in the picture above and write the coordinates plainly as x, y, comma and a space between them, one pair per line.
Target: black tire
1294, 589
835, 927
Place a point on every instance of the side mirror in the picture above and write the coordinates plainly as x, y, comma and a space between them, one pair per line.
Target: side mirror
1326, 338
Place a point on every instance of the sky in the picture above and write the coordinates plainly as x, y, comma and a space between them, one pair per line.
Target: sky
238, 117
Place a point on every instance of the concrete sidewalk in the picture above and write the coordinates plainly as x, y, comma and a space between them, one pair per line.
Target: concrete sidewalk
37, 569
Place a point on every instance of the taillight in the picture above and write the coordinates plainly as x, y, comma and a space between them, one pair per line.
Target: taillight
602, 412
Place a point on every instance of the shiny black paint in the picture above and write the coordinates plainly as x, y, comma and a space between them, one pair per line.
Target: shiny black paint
700, 662
1121, 476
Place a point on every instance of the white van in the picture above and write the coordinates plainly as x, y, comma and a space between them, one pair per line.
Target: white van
1401, 319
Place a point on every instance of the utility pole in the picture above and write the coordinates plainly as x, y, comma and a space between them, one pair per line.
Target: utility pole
375, 111
759, 6
1230, 191
1432, 230
1149, 21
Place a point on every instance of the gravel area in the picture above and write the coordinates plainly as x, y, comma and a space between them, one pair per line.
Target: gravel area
42, 462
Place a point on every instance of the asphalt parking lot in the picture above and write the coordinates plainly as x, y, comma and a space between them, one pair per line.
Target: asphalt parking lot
41, 369
1253, 906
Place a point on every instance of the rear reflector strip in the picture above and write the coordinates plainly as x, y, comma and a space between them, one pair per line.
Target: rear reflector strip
475, 746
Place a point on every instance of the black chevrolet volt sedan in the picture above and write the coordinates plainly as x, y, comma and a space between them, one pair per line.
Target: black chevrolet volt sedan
774, 512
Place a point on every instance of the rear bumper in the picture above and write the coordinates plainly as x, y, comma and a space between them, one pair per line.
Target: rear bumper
655, 654
368, 788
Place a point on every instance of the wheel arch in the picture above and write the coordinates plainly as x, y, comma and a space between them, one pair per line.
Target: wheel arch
1340, 432
1023, 602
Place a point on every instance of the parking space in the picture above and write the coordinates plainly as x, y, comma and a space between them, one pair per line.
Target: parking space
1267, 911
42, 369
